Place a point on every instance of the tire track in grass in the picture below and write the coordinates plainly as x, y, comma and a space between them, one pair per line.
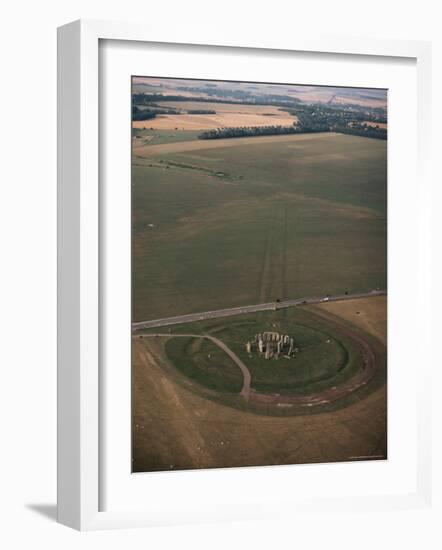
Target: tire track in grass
284, 255
265, 283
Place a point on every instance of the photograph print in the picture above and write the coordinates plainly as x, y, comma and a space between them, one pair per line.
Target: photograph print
259, 274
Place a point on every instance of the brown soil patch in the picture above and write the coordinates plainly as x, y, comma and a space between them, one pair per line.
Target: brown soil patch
369, 314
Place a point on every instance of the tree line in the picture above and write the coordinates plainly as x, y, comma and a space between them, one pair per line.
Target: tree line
142, 114
201, 112
363, 130
244, 131
151, 112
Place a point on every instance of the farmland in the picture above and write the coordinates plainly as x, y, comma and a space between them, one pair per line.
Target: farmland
224, 115
231, 222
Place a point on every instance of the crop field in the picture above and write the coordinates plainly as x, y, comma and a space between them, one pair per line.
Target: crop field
225, 115
219, 224
184, 411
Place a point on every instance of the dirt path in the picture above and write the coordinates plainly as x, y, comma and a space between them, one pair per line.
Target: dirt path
245, 391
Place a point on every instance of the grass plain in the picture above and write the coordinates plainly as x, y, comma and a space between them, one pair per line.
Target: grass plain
326, 356
219, 224
151, 136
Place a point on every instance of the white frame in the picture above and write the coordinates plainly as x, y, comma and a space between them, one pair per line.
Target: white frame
78, 259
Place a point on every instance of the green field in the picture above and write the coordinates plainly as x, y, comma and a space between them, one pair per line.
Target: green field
252, 223
204, 362
326, 356
156, 136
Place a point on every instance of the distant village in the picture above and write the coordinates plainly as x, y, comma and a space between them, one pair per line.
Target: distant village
272, 345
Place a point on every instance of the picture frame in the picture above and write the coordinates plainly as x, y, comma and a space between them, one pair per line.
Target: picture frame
80, 271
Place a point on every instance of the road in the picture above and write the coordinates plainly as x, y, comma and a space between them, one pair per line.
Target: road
270, 306
245, 391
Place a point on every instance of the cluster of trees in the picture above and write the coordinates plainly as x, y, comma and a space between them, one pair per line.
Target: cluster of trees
142, 114
201, 112
324, 118
364, 130
151, 112
244, 131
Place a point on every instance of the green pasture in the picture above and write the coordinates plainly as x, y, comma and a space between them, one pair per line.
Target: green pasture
229, 226
155, 136
326, 356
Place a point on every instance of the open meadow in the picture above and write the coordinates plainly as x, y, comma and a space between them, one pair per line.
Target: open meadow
223, 223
